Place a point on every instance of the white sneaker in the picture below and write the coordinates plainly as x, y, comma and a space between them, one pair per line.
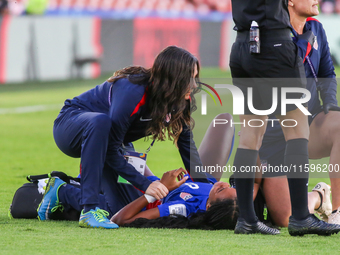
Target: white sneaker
325, 209
334, 218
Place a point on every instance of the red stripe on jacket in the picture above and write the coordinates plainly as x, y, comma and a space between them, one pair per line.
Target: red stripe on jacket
310, 18
309, 48
141, 103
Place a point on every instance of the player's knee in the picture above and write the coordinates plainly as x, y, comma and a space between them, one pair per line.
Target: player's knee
224, 116
282, 222
281, 217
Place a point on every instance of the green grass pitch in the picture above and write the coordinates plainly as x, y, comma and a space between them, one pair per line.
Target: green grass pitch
27, 147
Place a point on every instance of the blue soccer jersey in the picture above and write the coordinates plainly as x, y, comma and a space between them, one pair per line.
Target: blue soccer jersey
190, 197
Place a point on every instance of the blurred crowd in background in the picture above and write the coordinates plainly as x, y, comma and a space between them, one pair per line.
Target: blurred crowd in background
201, 7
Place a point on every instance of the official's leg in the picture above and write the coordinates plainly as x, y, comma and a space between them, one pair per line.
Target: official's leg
296, 157
245, 66
246, 156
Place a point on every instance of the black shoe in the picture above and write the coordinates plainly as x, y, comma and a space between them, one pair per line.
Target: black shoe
242, 227
311, 225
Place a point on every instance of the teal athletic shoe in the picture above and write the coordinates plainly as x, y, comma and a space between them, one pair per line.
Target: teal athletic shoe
50, 201
96, 219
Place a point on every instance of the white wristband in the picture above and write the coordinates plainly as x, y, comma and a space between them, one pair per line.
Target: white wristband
150, 199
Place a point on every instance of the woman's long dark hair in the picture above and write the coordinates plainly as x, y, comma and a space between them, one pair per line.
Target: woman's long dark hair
221, 215
169, 79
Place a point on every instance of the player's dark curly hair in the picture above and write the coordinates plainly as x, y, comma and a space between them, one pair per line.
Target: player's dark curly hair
169, 79
221, 215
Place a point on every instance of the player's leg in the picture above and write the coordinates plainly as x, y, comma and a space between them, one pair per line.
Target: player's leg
70, 196
276, 193
217, 144
277, 197
58, 194
117, 194
324, 141
323, 205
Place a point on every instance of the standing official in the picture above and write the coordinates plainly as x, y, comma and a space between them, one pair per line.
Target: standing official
324, 139
259, 63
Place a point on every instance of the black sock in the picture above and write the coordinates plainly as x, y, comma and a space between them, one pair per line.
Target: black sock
89, 208
245, 183
296, 156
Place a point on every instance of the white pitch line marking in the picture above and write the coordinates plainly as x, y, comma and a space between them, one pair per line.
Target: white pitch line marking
29, 109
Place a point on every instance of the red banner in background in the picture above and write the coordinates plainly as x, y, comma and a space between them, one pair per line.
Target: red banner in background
3, 46
98, 49
152, 35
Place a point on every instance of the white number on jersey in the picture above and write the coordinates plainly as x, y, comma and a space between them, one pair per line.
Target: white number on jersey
192, 185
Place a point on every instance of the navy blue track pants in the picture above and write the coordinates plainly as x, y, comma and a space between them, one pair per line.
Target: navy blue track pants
77, 132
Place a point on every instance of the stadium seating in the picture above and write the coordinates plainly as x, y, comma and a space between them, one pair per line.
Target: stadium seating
202, 6
145, 7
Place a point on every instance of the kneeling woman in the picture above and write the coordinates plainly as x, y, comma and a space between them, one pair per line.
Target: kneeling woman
135, 102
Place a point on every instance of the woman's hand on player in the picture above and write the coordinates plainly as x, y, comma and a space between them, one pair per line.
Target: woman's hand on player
157, 189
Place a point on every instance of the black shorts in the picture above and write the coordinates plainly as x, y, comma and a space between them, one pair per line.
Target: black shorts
272, 154
278, 65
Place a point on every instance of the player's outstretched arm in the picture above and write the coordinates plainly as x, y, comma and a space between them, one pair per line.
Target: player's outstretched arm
133, 211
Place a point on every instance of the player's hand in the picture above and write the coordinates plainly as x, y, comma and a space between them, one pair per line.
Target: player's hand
330, 107
169, 179
157, 189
